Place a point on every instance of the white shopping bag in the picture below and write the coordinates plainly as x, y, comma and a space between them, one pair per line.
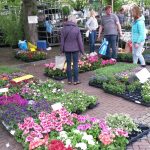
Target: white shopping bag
87, 33
60, 61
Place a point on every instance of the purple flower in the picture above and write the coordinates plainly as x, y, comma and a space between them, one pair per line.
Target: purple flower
84, 127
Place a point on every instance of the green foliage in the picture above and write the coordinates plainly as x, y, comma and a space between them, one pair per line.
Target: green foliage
146, 92
123, 57
77, 101
77, 5
6, 69
111, 70
11, 27
134, 86
114, 87
122, 121
66, 10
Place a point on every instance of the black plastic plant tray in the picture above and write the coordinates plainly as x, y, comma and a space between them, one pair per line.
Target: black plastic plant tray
92, 106
136, 98
95, 85
134, 136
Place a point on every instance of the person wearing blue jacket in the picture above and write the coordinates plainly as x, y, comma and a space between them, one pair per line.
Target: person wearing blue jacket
138, 36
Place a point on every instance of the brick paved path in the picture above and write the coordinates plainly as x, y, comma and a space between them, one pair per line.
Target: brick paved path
108, 104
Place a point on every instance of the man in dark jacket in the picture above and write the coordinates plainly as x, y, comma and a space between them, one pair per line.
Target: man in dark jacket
71, 45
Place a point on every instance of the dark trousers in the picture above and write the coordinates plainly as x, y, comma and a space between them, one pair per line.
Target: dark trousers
112, 43
92, 40
69, 57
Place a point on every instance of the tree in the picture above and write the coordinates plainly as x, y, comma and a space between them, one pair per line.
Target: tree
29, 8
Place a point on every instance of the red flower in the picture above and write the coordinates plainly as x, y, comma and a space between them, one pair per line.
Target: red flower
57, 145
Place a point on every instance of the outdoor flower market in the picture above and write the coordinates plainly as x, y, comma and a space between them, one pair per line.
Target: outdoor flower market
74, 75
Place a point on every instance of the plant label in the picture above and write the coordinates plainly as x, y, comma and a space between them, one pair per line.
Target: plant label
25, 77
3, 90
32, 19
56, 106
143, 75
138, 102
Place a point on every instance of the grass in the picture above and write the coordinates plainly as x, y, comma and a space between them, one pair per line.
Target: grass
111, 70
6, 69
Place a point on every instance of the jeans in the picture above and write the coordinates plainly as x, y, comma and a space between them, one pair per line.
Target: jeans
75, 56
137, 54
112, 42
92, 40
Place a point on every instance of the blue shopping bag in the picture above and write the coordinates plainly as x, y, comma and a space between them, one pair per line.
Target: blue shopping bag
23, 45
103, 47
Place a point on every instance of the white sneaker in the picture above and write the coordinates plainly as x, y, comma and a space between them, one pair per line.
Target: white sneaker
49, 48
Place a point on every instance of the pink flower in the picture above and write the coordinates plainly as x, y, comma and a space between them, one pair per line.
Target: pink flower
51, 65
84, 127
106, 137
94, 120
26, 131
82, 119
121, 132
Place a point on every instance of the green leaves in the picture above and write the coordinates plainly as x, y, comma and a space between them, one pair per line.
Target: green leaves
122, 121
146, 92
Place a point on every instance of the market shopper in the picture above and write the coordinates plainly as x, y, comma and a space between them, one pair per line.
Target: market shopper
121, 16
92, 26
111, 26
138, 36
72, 45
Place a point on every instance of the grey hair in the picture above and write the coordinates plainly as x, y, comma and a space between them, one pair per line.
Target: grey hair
72, 18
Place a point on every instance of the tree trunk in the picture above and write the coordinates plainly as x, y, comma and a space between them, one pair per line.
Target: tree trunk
30, 30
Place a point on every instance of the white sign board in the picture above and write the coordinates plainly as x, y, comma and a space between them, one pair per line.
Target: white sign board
32, 19
56, 106
143, 75
3, 90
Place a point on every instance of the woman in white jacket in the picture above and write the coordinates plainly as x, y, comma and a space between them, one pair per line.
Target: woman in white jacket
92, 26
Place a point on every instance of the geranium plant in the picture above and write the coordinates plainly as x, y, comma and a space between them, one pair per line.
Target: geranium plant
29, 56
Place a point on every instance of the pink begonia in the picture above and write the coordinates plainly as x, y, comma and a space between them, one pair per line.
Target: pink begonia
121, 132
106, 137
51, 65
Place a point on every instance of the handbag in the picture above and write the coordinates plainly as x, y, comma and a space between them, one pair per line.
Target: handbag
103, 47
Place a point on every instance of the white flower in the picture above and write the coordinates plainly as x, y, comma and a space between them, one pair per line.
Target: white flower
49, 85
63, 134
58, 90
77, 131
83, 146
68, 143
45, 97
54, 90
91, 142
31, 102
88, 138
12, 132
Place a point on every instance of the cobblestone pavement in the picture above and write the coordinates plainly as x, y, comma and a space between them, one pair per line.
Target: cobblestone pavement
108, 104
